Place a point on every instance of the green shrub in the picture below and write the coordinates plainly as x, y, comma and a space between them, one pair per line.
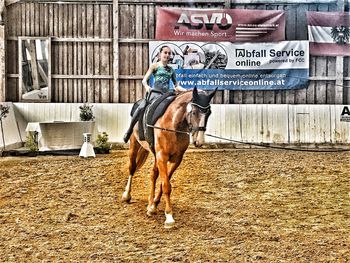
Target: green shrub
102, 144
31, 143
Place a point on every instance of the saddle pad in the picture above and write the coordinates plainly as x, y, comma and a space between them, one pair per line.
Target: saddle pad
154, 111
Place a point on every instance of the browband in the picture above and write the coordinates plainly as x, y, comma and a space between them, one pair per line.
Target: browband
199, 106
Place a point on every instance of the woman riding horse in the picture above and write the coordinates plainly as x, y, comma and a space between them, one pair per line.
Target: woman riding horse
186, 115
162, 73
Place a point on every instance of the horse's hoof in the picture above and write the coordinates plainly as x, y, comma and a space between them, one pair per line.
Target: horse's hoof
151, 210
126, 197
169, 222
169, 225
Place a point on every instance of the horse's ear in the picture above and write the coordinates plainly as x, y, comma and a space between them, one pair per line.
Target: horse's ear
211, 94
195, 93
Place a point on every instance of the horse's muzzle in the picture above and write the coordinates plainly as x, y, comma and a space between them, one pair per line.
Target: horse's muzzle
197, 144
198, 138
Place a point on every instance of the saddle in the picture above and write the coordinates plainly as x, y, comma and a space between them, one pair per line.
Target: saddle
153, 110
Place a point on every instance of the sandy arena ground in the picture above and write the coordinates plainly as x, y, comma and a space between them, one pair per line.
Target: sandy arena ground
229, 206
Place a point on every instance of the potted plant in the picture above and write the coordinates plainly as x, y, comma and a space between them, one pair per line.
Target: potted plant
86, 113
102, 144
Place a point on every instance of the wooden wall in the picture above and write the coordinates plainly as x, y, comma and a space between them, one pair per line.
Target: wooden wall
82, 62
82, 51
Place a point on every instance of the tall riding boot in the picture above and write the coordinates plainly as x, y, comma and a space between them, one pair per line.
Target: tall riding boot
134, 119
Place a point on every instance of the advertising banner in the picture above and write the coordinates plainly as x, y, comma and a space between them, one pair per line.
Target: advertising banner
329, 33
246, 66
233, 25
287, 1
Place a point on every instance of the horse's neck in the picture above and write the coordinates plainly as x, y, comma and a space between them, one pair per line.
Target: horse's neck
185, 97
179, 110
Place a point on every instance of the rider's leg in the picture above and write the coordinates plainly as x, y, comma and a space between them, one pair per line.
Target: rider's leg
134, 119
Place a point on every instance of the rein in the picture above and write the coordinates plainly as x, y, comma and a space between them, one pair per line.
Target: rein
165, 129
192, 129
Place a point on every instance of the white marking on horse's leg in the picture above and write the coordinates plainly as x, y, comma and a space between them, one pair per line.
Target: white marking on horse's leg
200, 138
151, 209
126, 197
169, 221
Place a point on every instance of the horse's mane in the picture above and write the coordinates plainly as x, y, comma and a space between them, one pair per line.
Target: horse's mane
184, 92
184, 97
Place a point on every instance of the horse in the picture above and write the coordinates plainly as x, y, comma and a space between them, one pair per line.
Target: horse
186, 116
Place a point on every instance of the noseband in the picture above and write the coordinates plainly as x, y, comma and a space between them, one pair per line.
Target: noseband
206, 110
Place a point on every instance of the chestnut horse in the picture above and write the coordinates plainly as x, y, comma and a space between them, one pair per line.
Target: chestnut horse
186, 115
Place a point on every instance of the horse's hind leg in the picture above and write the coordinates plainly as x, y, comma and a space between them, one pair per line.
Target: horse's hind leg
152, 206
137, 157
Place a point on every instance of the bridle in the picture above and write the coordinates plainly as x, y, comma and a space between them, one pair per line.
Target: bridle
203, 109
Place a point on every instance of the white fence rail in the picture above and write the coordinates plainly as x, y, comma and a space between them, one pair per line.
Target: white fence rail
10, 134
242, 122
280, 123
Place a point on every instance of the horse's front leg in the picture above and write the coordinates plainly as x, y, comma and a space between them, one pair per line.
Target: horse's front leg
152, 206
162, 161
172, 169
159, 195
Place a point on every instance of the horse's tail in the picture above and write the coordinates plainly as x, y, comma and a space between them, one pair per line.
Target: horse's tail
141, 157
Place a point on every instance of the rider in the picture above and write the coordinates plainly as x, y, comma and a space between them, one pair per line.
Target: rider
162, 74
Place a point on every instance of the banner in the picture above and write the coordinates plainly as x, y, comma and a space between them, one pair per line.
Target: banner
288, 1
233, 25
247, 66
329, 33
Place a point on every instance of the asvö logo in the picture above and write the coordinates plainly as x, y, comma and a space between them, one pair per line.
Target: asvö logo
197, 21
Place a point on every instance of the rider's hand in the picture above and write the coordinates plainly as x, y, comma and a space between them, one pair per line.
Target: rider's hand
148, 88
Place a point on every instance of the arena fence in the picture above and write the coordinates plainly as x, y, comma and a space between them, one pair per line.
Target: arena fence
259, 123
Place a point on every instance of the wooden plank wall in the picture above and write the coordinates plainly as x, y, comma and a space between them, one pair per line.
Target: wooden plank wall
322, 88
82, 51
81, 48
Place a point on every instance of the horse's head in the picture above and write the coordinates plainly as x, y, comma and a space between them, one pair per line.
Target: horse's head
198, 111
